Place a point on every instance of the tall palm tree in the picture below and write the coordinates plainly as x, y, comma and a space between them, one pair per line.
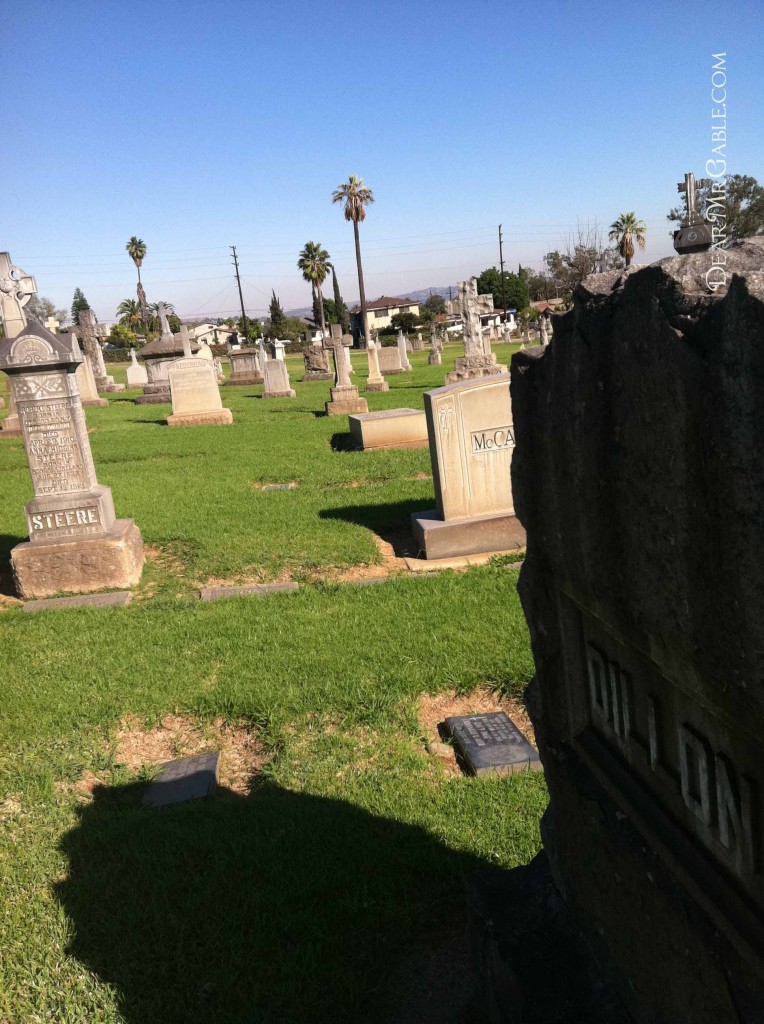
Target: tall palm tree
626, 230
136, 249
356, 197
315, 266
129, 313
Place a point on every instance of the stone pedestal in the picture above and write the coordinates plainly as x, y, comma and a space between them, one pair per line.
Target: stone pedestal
10, 425
246, 367
344, 395
375, 380
86, 384
158, 356
471, 443
136, 374
316, 364
391, 428
434, 358
470, 367
404, 352
75, 541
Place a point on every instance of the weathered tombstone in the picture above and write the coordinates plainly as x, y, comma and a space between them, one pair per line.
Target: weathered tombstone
217, 363
418, 343
344, 395
346, 348
478, 359
316, 363
491, 744
136, 374
159, 355
403, 349
544, 330
278, 349
86, 384
94, 353
246, 367
434, 358
277, 380
16, 289
639, 478
205, 352
471, 444
195, 394
75, 541
389, 360
375, 381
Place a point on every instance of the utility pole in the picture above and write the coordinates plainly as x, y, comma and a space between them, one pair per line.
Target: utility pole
241, 297
503, 286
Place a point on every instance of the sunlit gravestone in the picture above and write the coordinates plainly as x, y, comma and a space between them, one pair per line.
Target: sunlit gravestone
76, 543
639, 477
16, 289
195, 394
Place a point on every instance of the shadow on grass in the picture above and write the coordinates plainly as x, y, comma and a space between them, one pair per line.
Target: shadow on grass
343, 443
378, 517
277, 907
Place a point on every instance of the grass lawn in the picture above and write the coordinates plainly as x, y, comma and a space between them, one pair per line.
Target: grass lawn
301, 894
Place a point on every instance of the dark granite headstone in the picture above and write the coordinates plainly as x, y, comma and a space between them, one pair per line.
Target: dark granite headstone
491, 744
638, 475
188, 778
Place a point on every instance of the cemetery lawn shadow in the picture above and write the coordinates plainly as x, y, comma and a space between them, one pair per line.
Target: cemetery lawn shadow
276, 907
379, 518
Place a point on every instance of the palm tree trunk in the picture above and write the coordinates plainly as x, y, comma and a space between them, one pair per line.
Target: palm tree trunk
361, 288
321, 308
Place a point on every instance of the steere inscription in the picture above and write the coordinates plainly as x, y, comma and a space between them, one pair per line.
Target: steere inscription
53, 447
58, 522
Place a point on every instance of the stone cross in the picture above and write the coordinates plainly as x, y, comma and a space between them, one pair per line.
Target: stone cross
164, 323
16, 289
342, 377
185, 341
52, 324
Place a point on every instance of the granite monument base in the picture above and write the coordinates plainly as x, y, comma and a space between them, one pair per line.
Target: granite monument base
95, 401
14, 430
108, 387
288, 393
441, 538
379, 386
469, 367
345, 401
155, 394
317, 375
248, 378
391, 428
199, 419
80, 565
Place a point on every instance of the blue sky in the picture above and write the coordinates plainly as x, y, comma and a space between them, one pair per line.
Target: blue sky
198, 125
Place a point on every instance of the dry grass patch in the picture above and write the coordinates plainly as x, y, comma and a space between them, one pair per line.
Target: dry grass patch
434, 709
241, 753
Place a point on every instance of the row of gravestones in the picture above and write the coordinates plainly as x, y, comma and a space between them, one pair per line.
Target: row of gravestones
638, 476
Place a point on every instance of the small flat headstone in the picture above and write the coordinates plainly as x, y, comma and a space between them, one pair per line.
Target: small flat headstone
492, 744
188, 778
252, 590
291, 486
119, 597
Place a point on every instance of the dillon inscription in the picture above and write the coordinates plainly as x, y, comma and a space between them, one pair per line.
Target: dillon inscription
663, 742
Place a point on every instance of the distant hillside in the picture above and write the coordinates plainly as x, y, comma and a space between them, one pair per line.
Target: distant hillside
417, 296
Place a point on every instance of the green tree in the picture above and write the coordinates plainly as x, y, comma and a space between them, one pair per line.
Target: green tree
254, 328
122, 336
39, 308
330, 312
626, 230
129, 314
735, 205
136, 250
277, 318
511, 293
343, 314
356, 197
313, 261
79, 305
435, 304
404, 322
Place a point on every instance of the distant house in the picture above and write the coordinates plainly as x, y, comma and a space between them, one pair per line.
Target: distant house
543, 304
213, 334
380, 313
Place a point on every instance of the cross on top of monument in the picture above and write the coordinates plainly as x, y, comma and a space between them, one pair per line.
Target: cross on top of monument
688, 187
16, 289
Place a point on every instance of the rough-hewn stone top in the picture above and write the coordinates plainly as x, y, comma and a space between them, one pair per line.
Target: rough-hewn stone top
166, 345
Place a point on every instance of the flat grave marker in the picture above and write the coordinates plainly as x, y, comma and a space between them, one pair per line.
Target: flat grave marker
491, 744
188, 778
